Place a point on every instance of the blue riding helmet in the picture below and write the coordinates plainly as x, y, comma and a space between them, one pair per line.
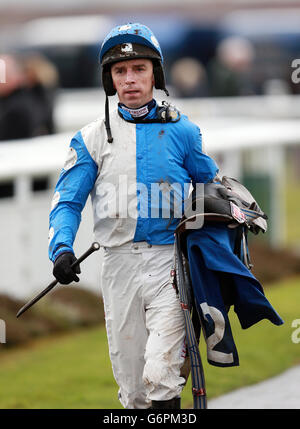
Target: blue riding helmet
130, 41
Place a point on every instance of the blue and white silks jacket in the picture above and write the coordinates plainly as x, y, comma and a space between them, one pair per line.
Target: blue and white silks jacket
220, 279
123, 179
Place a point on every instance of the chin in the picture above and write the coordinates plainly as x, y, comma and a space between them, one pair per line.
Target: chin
133, 103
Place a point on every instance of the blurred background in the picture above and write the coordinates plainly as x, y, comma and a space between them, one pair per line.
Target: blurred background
232, 66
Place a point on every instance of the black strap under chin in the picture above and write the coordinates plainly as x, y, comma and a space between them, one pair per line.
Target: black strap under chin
107, 122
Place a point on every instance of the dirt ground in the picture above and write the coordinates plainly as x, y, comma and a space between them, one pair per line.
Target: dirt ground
271, 265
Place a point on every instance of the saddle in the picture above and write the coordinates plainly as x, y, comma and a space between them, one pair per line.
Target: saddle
229, 202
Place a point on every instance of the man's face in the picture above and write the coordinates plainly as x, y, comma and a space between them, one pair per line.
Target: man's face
133, 81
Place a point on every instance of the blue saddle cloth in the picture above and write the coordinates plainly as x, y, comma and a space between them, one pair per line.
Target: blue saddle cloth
220, 279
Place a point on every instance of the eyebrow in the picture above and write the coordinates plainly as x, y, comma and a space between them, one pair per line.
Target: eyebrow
120, 67
117, 67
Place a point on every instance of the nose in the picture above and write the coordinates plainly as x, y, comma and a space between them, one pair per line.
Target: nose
129, 77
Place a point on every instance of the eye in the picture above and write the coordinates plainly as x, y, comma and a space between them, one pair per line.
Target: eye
118, 70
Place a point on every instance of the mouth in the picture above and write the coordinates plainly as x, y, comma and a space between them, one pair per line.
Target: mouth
132, 92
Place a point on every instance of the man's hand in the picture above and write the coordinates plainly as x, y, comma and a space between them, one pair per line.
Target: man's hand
62, 270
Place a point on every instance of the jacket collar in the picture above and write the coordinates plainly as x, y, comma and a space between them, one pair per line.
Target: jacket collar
147, 111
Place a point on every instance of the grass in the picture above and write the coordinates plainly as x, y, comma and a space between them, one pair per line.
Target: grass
64, 371
74, 371
264, 349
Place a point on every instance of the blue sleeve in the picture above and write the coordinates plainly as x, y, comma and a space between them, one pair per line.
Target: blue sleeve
200, 166
75, 182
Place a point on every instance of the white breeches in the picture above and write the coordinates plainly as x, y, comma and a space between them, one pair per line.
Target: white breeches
144, 323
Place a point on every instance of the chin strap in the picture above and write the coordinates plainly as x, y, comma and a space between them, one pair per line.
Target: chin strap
107, 124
